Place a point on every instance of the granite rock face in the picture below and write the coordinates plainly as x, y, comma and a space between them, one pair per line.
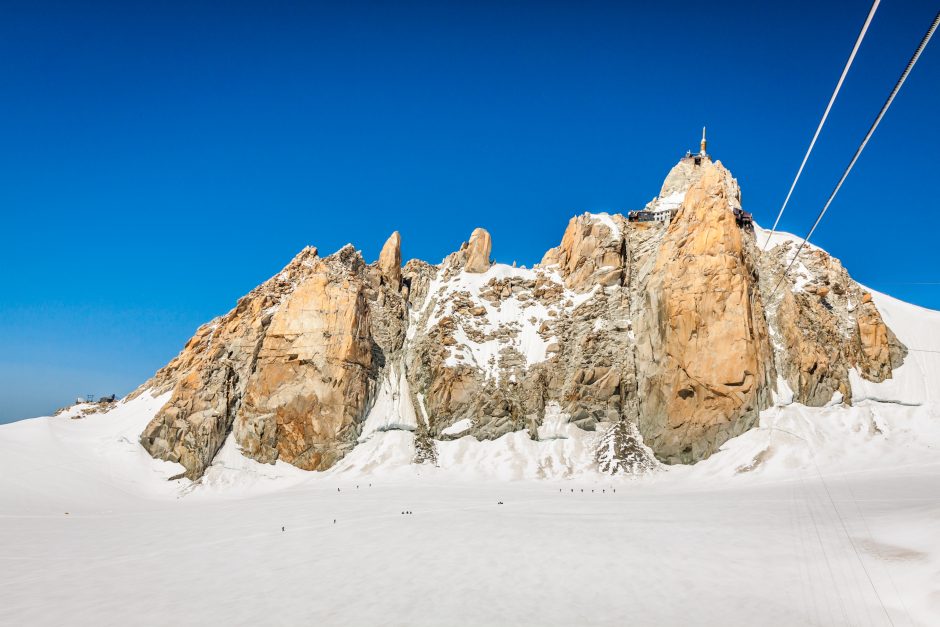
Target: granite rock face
706, 365
478, 251
664, 338
208, 378
290, 372
390, 261
592, 252
825, 325
314, 375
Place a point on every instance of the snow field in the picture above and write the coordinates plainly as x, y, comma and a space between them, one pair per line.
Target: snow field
819, 516
651, 553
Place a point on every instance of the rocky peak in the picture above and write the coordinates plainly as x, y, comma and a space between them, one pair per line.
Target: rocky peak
478, 251
346, 259
312, 379
665, 338
304, 258
390, 261
592, 251
684, 174
707, 368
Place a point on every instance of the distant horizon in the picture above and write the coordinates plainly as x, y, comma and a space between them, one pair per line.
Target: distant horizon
162, 161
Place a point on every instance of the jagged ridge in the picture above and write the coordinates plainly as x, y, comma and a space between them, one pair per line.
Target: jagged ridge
664, 336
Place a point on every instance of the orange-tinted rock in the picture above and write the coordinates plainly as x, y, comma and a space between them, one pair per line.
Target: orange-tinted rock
880, 351
313, 378
478, 252
591, 252
390, 261
705, 356
657, 330
210, 374
824, 332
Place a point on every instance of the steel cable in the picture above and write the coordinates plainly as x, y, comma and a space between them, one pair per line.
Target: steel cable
835, 93
861, 147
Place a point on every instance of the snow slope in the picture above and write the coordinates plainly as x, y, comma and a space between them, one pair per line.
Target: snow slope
524, 317
820, 516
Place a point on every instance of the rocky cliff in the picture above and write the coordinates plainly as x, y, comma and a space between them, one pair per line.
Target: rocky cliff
667, 338
706, 362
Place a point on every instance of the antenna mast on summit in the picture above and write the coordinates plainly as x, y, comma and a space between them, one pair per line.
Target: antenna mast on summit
703, 142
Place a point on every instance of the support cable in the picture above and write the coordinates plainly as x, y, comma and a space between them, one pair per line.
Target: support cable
861, 147
845, 71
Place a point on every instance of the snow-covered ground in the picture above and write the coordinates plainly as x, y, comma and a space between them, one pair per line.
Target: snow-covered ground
821, 516
524, 317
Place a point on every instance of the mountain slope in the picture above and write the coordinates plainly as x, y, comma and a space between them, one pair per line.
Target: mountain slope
812, 413
672, 327
828, 495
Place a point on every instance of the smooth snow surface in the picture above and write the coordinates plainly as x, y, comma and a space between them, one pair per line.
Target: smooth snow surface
819, 516
458, 427
393, 408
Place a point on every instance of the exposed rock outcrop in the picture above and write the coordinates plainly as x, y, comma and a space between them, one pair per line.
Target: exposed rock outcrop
208, 378
290, 371
478, 251
390, 261
314, 375
592, 252
706, 363
685, 174
825, 325
666, 339
881, 351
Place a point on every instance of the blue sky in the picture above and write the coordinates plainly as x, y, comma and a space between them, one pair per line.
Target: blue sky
157, 161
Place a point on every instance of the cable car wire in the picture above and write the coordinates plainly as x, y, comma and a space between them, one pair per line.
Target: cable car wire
845, 71
861, 147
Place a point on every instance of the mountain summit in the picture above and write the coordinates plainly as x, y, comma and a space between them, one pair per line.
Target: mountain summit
659, 331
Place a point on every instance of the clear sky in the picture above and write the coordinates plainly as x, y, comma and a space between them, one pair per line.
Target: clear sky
157, 161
